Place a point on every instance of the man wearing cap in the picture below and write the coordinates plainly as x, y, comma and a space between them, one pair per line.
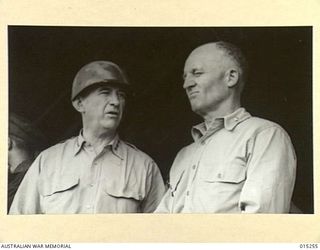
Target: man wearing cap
24, 143
238, 163
95, 172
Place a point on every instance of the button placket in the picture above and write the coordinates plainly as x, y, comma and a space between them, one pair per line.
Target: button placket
195, 166
92, 182
191, 179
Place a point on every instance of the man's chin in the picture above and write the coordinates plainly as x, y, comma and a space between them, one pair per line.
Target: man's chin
110, 125
195, 108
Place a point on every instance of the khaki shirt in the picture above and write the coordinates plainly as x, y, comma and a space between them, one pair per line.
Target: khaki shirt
240, 164
70, 178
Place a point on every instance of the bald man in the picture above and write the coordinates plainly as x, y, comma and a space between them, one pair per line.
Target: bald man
238, 163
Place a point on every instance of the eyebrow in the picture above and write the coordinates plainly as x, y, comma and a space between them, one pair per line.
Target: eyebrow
102, 88
110, 88
193, 70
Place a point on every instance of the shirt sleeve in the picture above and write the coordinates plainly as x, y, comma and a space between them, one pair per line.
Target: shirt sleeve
27, 197
271, 173
155, 187
164, 206
171, 197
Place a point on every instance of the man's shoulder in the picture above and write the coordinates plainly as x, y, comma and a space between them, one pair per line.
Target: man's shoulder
62, 145
256, 125
261, 123
185, 151
135, 151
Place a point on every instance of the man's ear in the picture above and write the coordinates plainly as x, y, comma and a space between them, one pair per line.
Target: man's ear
233, 76
78, 104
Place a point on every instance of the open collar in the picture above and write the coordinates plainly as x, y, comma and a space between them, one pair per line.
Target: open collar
229, 122
115, 145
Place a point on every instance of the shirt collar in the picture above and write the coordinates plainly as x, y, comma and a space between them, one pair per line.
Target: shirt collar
233, 119
80, 141
116, 149
229, 123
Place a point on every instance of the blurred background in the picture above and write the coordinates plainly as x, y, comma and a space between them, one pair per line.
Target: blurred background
44, 60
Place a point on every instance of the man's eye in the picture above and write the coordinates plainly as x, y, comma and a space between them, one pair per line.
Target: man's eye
197, 73
122, 94
184, 76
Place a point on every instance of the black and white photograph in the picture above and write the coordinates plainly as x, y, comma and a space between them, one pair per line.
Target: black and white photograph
163, 120
171, 123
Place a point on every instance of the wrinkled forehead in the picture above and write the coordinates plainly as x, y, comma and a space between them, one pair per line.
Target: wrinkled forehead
206, 56
100, 87
110, 86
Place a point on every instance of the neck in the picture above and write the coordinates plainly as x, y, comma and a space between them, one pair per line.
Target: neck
223, 110
98, 138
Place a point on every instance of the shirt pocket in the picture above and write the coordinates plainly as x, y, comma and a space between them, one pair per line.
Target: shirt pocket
125, 194
229, 172
221, 185
49, 187
119, 200
58, 194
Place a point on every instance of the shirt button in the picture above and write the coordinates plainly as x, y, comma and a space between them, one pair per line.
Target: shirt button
236, 119
188, 193
91, 184
194, 167
219, 175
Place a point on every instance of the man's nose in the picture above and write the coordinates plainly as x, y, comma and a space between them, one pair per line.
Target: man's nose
188, 82
114, 98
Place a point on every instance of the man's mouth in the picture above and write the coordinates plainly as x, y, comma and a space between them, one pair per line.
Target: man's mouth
192, 94
112, 113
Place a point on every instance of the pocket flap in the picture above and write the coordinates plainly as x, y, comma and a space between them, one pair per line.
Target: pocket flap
49, 187
231, 174
123, 193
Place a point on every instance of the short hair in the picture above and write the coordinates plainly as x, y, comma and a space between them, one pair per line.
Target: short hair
237, 56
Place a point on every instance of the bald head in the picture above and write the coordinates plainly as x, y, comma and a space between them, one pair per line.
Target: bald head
229, 56
214, 75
